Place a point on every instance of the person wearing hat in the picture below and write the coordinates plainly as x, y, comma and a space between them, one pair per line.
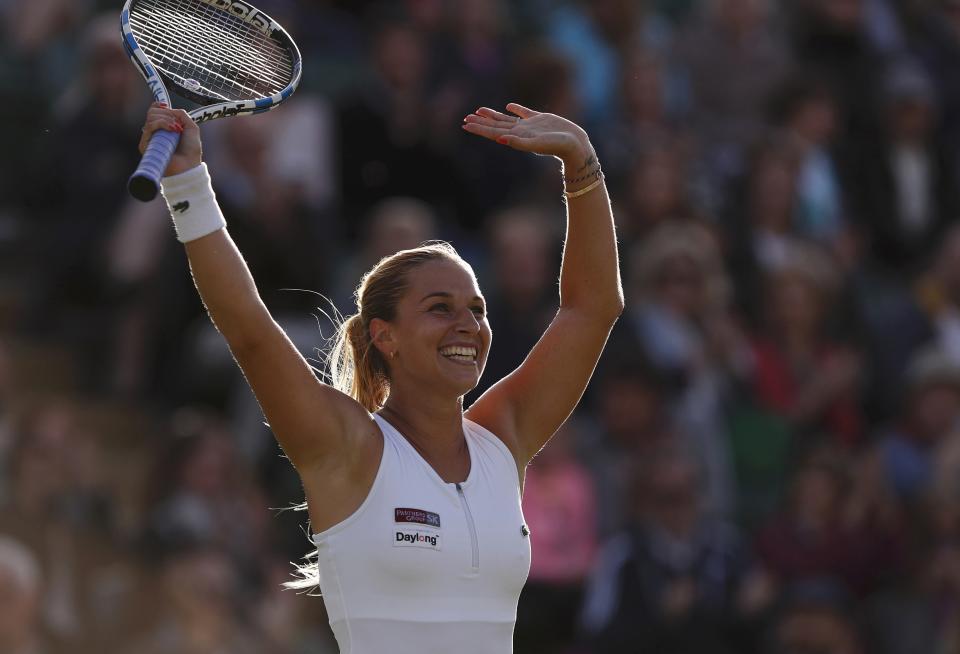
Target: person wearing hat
930, 413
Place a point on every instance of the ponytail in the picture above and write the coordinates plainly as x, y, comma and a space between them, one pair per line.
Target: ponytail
357, 368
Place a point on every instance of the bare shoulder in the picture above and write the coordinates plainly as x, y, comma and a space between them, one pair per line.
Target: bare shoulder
336, 486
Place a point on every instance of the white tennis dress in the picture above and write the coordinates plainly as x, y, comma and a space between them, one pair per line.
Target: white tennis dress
425, 566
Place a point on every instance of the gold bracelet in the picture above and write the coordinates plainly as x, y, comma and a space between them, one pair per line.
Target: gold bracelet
576, 194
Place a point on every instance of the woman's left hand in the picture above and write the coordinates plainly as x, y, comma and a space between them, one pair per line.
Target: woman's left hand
531, 131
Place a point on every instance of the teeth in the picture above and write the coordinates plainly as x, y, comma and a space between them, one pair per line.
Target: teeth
465, 353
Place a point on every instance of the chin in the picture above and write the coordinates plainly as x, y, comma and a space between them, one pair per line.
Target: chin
465, 386
462, 386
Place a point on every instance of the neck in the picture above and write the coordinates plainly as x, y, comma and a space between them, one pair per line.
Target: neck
431, 425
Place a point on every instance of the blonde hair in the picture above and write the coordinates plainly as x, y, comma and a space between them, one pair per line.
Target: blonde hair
354, 365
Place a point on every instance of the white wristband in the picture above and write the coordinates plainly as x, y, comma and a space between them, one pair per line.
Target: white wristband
192, 203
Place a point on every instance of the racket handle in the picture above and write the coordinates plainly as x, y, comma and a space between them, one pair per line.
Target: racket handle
145, 182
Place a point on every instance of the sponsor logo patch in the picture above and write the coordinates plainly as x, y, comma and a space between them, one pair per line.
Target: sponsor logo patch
417, 516
416, 538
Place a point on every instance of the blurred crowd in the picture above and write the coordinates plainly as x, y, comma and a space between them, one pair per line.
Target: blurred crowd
768, 458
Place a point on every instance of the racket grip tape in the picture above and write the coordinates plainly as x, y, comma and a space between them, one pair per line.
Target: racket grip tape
144, 184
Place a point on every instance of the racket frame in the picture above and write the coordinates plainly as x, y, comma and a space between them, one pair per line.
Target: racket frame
146, 174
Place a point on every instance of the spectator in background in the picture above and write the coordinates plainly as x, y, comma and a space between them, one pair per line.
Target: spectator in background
202, 490
476, 54
799, 372
287, 243
37, 60
816, 616
596, 35
759, 217
40, 23
936, 42
930, 413
829, 527
673, 580
395, 223
805, 109
831, 38
632, 420
21, 596
936, 298
38, 34
524, 248
902, 319
332, 40
656, 191
78, 200
387, 131
644, 114
918, 612
545, 76
199, 607
904, 183
732, 56
559, 505
679, 317
288, 622
60, 507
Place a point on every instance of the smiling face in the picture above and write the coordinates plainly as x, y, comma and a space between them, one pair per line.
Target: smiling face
440, 333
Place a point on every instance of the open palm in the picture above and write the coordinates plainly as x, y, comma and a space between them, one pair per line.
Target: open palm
529, 131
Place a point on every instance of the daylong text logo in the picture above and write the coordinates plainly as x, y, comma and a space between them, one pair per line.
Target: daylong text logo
416, 538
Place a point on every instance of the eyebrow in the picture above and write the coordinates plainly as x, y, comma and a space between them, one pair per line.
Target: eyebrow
447, 295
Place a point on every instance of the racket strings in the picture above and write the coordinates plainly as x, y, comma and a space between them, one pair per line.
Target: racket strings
235, 62
223, 68
209, 51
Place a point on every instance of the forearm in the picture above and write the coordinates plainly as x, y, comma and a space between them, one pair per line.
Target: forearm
590, 272
219, 271
227, 289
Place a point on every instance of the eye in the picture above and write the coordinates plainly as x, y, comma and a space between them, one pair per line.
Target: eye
440, 306
480, 311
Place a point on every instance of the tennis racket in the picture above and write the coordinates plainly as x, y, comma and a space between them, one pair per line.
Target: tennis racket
224, 55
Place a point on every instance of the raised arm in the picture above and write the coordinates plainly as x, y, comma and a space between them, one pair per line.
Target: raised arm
314, 423
527, 406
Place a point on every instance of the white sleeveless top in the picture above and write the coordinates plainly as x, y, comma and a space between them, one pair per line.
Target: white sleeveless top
425, 566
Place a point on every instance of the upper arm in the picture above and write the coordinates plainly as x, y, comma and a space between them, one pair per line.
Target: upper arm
526, 407
313, 422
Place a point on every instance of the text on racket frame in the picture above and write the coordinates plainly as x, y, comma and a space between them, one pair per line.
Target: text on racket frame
244, 12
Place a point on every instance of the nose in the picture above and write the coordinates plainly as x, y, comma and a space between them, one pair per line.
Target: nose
467, 322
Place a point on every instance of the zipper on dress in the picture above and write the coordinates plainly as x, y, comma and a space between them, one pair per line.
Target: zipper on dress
473, 529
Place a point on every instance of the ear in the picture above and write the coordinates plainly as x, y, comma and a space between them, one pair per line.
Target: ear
381, 335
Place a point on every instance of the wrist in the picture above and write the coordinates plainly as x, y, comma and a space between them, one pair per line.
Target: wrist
581, 171
576, 157
192, 204
579, 157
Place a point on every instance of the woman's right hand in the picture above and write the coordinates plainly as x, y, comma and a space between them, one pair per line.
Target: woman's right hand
189, 152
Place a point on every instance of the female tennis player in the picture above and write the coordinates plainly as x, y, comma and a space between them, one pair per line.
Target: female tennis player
415, 503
